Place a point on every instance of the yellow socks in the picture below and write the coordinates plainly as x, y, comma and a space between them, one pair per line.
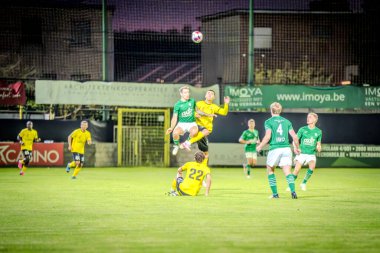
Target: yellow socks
76, 171
174, 184
197, 137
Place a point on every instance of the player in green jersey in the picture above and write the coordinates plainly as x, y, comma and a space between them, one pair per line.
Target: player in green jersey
310, 138
277, 129
250, 138
184, 114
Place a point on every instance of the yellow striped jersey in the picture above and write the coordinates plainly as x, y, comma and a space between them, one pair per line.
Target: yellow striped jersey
195, 173
79, 139
28, 137
212, 108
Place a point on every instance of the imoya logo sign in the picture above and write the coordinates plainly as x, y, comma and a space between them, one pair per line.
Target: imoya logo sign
372, 92
44, 154
245, 92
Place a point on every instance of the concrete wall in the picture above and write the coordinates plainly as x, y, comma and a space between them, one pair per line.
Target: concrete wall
100, 154
106, 154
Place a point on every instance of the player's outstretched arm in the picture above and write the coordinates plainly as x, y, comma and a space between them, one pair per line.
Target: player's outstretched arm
202, 113
19, 138
173, 123
296, 142
69, 140
319, 146
179, 172
224, 111
242, 141
268, 134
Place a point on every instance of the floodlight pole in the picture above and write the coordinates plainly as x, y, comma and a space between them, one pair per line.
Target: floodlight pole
251, 72
104, 50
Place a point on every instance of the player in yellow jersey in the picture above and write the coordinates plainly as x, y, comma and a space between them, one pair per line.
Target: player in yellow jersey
195, 173
77, 140
26, 137
206, 111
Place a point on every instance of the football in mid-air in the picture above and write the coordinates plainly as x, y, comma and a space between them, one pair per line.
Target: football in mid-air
197, 37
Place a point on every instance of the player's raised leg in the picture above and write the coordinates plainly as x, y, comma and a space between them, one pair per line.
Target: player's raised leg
309, 173
70, 165
20, 165
176, 134
199, 136
27, 154
193, 131
297, 167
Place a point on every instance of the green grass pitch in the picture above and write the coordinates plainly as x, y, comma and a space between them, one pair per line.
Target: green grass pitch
126, 210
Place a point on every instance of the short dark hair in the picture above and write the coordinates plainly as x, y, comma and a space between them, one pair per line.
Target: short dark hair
199, 156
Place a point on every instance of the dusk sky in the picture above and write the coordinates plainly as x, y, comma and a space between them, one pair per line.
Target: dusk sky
158, 15
131, 15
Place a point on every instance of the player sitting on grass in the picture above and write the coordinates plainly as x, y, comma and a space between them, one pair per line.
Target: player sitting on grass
195, 173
